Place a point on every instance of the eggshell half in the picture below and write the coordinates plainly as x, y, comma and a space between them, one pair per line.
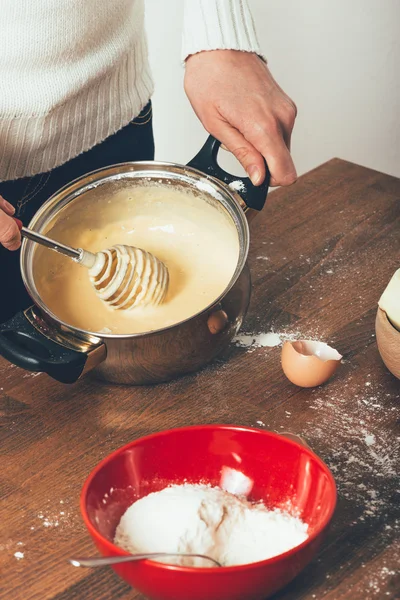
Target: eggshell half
307, 363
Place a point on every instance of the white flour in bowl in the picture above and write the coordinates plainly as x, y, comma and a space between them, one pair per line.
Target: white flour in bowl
201, 519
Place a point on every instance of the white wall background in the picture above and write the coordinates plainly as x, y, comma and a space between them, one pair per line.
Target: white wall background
338, 59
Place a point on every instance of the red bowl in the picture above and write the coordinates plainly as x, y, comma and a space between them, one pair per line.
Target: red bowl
282, 471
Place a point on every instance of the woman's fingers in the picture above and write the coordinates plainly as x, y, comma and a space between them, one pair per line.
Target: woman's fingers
236, 98
250, 159
10, 236
271, 134
279, 161
6, 206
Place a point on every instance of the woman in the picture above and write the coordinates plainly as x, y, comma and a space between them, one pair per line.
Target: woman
75, 96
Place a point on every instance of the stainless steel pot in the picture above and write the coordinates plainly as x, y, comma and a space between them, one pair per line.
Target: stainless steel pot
37, 340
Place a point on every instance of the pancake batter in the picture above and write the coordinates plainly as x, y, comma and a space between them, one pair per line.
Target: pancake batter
197, 242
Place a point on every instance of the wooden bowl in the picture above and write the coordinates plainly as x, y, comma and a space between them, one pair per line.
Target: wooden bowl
388, 340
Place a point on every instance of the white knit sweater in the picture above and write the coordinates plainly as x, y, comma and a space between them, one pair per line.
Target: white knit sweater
72, 72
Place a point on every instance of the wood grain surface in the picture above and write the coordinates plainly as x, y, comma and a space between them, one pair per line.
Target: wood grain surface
322, 252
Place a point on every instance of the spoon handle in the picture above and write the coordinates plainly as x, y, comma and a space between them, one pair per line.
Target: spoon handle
82, 256
116, 560
45, 241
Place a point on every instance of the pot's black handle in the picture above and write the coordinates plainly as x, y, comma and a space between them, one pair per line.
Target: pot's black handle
23, 345
206, 161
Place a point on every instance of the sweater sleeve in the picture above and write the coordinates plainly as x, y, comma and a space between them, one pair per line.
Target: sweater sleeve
218, 24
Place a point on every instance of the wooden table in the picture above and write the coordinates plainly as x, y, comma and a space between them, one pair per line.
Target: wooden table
321, 254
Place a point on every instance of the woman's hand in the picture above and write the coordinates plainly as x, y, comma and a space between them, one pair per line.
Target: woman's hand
10, 236
238, 101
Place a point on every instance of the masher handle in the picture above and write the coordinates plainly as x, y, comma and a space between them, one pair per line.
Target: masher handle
76, 253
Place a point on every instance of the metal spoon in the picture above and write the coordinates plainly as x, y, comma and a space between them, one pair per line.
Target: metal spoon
123, 277
116, 560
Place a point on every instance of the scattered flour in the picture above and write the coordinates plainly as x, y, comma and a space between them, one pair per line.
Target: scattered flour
365, 453
262, 340
369, 440
56, 518
380, 580
237, 186
252, 341
364, 458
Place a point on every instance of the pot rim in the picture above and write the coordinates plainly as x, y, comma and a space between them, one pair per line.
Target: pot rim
98, 177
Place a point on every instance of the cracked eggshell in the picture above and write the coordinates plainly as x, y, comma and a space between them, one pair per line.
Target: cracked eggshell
308, 363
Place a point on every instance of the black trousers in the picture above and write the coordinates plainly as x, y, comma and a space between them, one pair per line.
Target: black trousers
133, 142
